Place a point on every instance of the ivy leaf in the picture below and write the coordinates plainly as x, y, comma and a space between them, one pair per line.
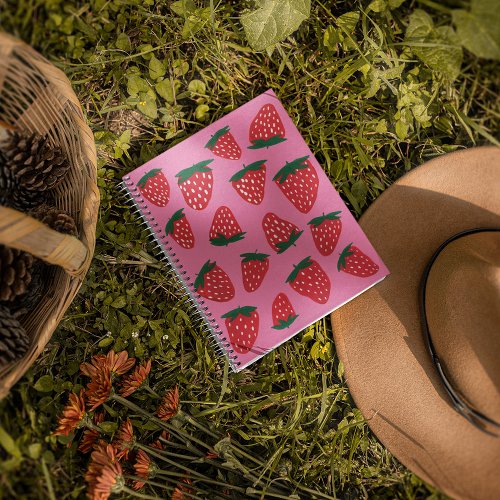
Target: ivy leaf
136, 84
123, 42
273, 21
119, 302
44, 384
166, 90
437, 47
347, 22
156, 68
478, 29
197, 87
184, 7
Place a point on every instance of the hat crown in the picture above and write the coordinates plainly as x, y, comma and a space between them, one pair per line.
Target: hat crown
463, 314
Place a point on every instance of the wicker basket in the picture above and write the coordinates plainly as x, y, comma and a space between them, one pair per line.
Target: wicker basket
37, 97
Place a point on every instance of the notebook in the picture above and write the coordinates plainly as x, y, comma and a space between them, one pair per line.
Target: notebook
258, 237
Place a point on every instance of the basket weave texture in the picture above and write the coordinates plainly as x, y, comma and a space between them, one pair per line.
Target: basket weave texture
35, 96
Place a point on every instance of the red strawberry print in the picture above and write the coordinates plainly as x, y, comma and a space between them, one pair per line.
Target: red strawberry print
283, 312
254, 267
280, 233
213, 283
353, 261
309, 279
223, 144
266, 128
196, 184
299, 182
242, 325
249, 182
325, 231
154, 187
179, 228
225, 228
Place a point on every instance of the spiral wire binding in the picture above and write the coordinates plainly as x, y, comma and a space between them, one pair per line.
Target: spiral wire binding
196, 303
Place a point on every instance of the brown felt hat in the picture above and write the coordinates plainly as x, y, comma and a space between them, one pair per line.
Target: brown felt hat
436, 413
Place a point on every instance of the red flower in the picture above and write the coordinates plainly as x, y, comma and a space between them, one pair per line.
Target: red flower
124, 440
144, 467
72, 415
134, 380
118, 364
99, 388
90, 435
182, 488
158, 443
104, 475
96, 364
169, 405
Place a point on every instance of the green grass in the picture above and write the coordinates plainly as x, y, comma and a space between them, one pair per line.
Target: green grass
353, 103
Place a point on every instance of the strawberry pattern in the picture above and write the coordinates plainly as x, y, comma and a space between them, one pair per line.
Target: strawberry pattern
257, 231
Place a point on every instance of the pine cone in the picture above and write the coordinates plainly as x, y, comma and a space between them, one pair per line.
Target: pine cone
27, 302
34, 163
57, 219
24, 200
14, 341
6, 180
15, 272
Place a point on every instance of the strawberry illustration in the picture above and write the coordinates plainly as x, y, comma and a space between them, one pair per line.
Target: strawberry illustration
249, 182
254, 267
242, 325
309, 279
196, 184
225, 228
325, 231
353, 261
299, 182
223, 144
213, 283
266, 128
178, 226
154, 187
280, 233
283, 313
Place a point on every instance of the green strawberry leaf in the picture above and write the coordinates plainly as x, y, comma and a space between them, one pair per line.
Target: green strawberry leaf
249, 257
169, 228
273, 21
291, 168
244, 311
145, 178
317, 221
199, 282
265, 143
221, 241
343, 257
303, 264
285, 323
253, 167
185, 174
285, 245
213, 140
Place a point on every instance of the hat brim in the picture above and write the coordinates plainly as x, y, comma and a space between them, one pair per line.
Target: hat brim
378, 335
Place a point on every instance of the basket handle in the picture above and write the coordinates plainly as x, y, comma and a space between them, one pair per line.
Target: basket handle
18, 230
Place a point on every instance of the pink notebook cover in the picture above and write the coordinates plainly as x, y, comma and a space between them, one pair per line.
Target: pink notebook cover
254, 228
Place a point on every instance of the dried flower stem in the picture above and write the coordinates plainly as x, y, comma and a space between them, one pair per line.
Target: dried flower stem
136, 494
179, 433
